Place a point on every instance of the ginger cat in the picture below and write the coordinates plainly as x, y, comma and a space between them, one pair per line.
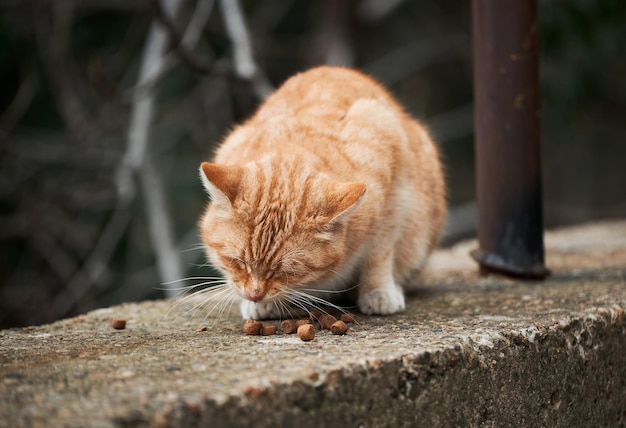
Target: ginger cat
330, 185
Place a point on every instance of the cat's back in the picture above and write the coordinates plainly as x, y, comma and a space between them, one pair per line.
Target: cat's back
324, 90
310, 106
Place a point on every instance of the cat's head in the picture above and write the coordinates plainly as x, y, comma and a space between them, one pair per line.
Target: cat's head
273, 227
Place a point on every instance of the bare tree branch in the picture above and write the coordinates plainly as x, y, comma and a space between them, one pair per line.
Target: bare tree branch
95, 267
59, 260
332, 42
169, 261
136, 160
245, 66
181, 46
23, 97
52, 41
141, 114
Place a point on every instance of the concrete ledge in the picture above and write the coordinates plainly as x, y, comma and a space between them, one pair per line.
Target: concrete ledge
469, 351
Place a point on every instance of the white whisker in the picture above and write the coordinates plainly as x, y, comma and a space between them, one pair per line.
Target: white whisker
203, 265
194, 248
313, 301
189, 288
217, 293
320, 290
299, 303
216, 297
182, 299
192, 278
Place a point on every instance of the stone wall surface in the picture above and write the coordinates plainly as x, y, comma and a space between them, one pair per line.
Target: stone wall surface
469, 350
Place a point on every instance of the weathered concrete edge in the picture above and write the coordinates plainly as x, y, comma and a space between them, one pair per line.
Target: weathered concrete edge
569, 373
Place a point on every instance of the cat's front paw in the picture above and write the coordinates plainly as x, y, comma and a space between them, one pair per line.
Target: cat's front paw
382, 301
258, 310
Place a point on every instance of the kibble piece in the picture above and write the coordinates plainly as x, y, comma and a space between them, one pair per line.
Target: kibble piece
347, 317
339, 327
268, 330
118, 324
252, 327
302, 322
316, 314
326, 321
306, 332
288, 326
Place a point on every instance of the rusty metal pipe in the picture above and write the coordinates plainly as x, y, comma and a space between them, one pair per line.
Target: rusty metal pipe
507, 138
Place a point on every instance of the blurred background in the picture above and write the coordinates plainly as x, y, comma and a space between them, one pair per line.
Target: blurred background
107, 107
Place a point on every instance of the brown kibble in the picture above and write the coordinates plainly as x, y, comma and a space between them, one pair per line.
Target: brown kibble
268, 330
203, 328
252, 327
306, 332
302, 322
347, 317
339, 327
288, 326
316, 314
326, 321
118, 324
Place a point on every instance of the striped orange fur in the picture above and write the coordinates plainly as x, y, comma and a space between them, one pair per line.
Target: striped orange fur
329, 185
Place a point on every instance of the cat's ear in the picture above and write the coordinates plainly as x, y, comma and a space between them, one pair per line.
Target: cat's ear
221, 182
344, 198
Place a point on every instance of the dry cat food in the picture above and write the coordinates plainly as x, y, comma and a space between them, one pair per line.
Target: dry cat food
315, 315
305, 327
302, 322
288, 326
347, 317
326, 321
118, 324
268, 330
339, 327
306, 332
252, 327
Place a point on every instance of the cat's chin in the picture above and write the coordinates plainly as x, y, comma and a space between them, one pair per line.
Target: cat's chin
259, 310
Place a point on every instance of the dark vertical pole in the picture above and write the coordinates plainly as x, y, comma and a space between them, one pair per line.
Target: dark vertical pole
508, 141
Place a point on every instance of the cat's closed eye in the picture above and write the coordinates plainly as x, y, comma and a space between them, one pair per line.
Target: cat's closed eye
235, 264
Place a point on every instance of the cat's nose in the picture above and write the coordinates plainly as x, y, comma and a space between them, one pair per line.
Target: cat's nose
256, 293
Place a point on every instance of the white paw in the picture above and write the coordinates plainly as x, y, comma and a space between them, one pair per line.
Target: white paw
258, 310
382, 301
